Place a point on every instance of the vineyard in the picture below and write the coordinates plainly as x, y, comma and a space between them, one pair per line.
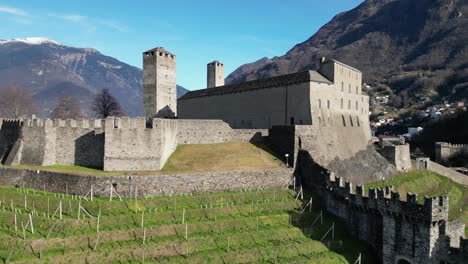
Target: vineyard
257, 226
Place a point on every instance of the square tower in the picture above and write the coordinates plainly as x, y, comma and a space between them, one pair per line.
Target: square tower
159, 84
215, 74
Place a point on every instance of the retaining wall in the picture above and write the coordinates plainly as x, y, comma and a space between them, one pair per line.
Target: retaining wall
151, 185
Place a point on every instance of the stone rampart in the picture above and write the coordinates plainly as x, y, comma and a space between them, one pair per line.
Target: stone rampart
397, 155
427, 164
331, 147
130, 146
150, 185
193, 131
398, 228
444, 151
9, 132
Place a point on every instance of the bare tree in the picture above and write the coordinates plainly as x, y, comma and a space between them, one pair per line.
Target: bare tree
67, 107
105, 104
16, 102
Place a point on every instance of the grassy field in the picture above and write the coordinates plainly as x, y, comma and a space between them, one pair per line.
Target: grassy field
262, 226
191, 158
426, 183
220, 157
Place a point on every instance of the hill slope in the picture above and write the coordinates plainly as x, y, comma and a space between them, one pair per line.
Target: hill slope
50, 70
426, 183
415, 49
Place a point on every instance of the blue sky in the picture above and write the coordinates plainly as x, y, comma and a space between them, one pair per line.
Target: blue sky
234, 32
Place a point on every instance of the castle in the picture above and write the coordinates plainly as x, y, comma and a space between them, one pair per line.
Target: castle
319, 118
327, 105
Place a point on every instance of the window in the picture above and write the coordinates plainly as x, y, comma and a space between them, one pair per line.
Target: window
349, 88
351, 120
319, 103
320, 121
341, 103
357, 90
358, 123
357, 106
344, 121
292, 120
328, 104
349, 104
342, 86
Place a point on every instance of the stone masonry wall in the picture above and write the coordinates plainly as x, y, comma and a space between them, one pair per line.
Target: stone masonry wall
9, 133
130, 146
398, 155
146, 185
397, 229
192, 131
444, 151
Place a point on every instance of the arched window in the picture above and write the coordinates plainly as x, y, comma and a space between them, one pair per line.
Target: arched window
320, 121
357, 106
351, 120
320, 103
328, 104
349, 88
357, 120
344, 121
342, 86
341, 103
349, 104
357, 90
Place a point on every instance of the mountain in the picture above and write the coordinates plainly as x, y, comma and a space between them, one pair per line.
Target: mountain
416, 51
50, 70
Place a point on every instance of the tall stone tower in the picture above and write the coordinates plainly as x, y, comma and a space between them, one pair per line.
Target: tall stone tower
159, 84
215, 74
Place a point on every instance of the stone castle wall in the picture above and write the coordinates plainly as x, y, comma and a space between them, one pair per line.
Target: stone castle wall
427, 164
398, 155
192, 131
444, 151
112, 144
396, 228
9, 133
150, 185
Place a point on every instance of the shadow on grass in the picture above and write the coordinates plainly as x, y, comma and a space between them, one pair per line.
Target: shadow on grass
317, 224
265, 145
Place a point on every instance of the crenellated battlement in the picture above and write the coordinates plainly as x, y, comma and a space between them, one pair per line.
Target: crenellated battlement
10, 123
446, 144
389, 201
72, 123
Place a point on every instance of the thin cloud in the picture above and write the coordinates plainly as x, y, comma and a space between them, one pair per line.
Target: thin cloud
91, 24
13, 11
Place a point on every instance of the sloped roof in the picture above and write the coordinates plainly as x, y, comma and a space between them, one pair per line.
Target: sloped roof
288, 79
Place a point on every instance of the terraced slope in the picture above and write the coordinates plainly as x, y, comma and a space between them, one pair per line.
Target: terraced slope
426, 183
264, 226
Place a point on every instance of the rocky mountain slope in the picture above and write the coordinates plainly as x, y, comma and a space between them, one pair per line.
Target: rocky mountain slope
414, 50
50, 70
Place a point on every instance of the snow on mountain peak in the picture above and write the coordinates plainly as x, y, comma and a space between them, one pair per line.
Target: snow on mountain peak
30, 41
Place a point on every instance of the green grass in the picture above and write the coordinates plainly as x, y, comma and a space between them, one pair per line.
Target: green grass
426, 183
190, 158
230, 227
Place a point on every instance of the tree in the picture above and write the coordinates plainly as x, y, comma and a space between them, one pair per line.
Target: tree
16, 102
67, 108
105, 104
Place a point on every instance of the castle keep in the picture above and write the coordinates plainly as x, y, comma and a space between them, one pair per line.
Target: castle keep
159, 83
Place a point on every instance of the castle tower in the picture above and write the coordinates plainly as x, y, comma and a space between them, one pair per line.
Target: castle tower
215, 74
159, 84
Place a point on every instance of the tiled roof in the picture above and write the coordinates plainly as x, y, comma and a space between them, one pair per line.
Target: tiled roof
282, 80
